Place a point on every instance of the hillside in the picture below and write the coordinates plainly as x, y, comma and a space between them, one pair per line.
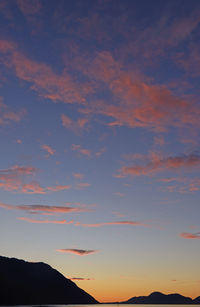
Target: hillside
24, 283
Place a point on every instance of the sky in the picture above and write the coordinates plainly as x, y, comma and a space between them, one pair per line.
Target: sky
99, 130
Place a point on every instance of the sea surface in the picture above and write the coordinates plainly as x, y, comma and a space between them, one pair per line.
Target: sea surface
104, 305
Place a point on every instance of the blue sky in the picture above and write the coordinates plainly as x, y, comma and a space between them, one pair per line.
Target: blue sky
99, 128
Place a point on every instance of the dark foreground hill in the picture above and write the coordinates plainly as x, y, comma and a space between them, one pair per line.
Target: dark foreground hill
160, 298
24, 283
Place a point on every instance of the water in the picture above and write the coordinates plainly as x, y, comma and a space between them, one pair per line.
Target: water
104, 305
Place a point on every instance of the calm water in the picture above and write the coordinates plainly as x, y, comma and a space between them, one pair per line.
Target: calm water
104, 305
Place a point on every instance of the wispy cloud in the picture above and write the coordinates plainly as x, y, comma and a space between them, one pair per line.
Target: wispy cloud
35, 221
131, 223
82, 185
7, 116
78, 175
157, 163
27, 7
79, 252
188, 235
75, 126
80, 150
50, 151
12, 179
80, 278
44, 209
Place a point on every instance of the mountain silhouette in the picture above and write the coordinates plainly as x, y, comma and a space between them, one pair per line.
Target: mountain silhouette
25, 283
160, 298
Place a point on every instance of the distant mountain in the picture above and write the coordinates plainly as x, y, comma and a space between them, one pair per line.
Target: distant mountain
24, 283
160, 298
197, 300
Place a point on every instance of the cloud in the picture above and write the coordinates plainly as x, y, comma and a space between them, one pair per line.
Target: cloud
135, 101
157, 163
43, 79
100, 152
28, 7
44, 209
80, 278
118, 194
50, 151
188, 235
78, 175
12, 179
132, 223
81, 150
75, 126
58, 188
79, 252
82, 185
32, 188
7, 116
44, 221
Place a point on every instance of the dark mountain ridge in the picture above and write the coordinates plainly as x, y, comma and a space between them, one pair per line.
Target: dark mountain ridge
25, 283
160, 298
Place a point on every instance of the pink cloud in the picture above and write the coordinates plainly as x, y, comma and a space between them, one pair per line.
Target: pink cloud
12, 179
50, 151
78, 175
79, 252
81, 150
132, 223
75, 126
159, 140
157, 163
136, 102
100, 152
7, 116
82, 185
44, 221
32, 188
44, 209
44, 80
28, 7
188, 235
118, 194
59, 188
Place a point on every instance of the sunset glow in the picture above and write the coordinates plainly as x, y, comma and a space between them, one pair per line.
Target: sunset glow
100, 130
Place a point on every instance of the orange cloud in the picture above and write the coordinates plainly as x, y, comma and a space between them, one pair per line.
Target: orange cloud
43, 209
48, 149
44, 221
157, 164
80, 278
187, 235
79, 252
81, 150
